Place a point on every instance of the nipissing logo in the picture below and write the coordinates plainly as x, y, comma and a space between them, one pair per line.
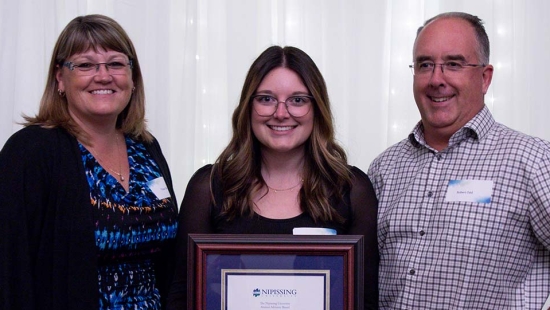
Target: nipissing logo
274, 292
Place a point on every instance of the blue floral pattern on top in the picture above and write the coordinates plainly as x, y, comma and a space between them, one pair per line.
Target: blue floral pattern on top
130, 228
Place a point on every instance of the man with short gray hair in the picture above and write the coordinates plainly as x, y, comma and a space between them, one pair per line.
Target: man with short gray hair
464, 202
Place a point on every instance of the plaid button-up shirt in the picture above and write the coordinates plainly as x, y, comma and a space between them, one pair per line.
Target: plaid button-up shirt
438, 252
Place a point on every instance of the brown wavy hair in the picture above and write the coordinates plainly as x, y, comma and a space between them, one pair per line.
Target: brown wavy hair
326, 174
82, 33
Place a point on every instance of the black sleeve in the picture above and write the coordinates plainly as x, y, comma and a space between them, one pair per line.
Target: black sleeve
194, 217
364, 207
165, 261
47, 247
16, 287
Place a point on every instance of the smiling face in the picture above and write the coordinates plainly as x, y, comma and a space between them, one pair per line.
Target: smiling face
100, 97
281, 132
448, 103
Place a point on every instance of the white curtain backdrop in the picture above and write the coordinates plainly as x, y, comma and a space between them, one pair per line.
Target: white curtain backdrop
195, 55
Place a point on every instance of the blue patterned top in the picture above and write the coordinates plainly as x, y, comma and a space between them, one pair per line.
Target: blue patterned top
129, 228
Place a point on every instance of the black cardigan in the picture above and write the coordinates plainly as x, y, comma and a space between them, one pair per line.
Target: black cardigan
47, 248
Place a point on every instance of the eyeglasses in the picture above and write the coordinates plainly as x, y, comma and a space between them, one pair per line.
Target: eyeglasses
88, 68
450, 68
297, 106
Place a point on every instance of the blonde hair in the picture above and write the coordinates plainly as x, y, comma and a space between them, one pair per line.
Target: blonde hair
81, 34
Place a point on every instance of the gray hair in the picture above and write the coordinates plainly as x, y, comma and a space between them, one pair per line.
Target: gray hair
483, 49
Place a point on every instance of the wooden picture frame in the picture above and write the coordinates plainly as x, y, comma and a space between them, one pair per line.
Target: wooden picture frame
216, 259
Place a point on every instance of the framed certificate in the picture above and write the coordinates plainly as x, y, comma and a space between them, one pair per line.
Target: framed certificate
234, 272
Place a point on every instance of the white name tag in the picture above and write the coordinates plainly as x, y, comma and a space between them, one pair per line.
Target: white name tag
159, 188
470, 191
313, 231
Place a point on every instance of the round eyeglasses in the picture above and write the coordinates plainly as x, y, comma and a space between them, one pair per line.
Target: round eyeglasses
89, 68
450, 68
297, 106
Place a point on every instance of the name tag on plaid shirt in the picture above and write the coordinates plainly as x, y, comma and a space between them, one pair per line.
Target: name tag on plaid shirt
479, 191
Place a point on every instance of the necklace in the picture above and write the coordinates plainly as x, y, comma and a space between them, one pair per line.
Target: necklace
119, 172
120, 176
284, 189
119, 165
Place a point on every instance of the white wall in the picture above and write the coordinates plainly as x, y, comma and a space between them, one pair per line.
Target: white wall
195, 55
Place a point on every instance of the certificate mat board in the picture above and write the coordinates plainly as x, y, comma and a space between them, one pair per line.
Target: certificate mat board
275, 289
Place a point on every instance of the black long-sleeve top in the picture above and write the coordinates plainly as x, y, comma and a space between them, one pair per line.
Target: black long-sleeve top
199, 215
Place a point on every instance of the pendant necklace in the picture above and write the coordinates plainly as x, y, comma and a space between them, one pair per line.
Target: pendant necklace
120, 176
119, 172
284, 189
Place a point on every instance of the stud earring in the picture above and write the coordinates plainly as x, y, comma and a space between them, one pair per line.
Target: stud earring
61, 93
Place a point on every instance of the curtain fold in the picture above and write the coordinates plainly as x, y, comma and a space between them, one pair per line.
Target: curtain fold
195, 55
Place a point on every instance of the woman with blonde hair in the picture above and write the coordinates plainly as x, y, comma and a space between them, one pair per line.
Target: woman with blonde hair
88, 210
